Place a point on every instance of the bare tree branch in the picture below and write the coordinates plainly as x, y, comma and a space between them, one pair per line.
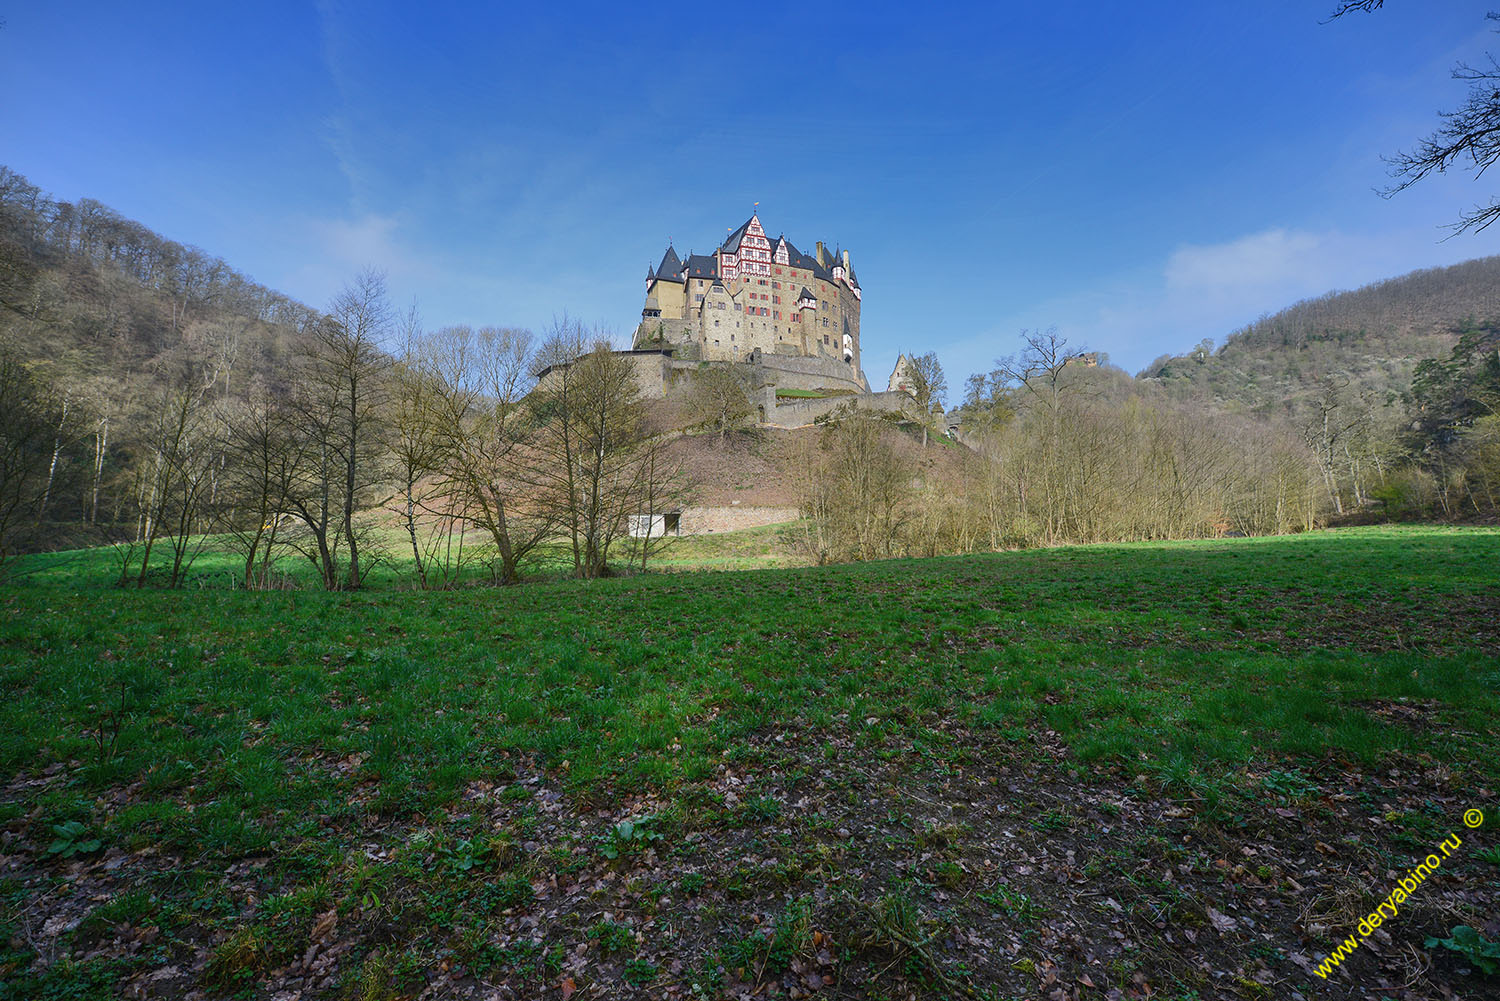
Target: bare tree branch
1350, 6
1469, 136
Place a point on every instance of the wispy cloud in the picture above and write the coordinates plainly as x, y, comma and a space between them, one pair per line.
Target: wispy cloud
1210, 290
1250, 265
369, 241
334, 250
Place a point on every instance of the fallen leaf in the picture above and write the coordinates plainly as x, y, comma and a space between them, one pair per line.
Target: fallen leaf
324, 926
1221, 922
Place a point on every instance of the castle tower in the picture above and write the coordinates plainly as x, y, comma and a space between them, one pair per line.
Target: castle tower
756, 297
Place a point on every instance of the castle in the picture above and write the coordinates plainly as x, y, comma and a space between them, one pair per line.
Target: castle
787, 320
758, 300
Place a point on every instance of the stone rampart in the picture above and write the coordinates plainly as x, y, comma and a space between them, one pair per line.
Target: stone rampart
797, 413
812, 372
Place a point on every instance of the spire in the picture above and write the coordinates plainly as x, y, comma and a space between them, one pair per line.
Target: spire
671, 265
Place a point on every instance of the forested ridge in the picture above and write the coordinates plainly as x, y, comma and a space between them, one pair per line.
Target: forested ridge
1394, 388
99, 315
1373, 337
150, 393
90, 292
152, 397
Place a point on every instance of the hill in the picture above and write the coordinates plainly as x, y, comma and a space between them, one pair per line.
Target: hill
87, 293
771, 470
1372, 337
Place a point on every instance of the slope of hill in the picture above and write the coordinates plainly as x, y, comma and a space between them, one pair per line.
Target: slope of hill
1372, 338
88, 293
773, 471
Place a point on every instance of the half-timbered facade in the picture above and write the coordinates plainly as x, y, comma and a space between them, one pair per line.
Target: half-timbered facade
754, 294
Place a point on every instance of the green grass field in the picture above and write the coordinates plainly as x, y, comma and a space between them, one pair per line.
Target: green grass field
1171, 770
216, 567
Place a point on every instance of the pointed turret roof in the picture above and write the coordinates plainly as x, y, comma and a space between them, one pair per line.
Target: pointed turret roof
670, 268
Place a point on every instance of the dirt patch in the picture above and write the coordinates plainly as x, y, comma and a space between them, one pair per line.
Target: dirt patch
821, 863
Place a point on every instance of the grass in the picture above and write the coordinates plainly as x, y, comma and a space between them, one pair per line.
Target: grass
381, 754
388, 551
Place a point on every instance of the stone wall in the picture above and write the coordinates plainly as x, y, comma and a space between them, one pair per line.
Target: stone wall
708, 520
672, 332
660, 373
793, 372
797, 413
786, 371
650, 366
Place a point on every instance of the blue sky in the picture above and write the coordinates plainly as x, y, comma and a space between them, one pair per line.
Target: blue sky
1139, 175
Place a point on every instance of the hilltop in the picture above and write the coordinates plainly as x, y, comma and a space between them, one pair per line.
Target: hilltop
1373, 336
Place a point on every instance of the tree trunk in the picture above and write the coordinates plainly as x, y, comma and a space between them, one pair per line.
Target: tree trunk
41, 509
101, 445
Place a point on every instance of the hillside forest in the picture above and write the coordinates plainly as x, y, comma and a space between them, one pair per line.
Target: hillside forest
156, 400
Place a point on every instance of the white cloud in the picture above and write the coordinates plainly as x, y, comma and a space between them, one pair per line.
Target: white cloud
356, 243
1251, 264
332, 251
1211, 290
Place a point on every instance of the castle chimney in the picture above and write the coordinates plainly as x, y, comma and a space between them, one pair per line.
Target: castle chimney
822, 256
846, 262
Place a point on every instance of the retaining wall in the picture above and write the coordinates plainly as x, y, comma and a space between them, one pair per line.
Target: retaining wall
708, 520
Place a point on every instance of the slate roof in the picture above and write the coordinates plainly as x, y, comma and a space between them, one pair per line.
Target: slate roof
806, 293
670, 268
732, 241
795, 257
701, 266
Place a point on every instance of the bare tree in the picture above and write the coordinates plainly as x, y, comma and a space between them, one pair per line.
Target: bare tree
858, 496
929, 387
479, 380
591, 439
178, 464
416, 452
264, 455
1469, 135
1328, 431
340, 399
718, 401
1039, 382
